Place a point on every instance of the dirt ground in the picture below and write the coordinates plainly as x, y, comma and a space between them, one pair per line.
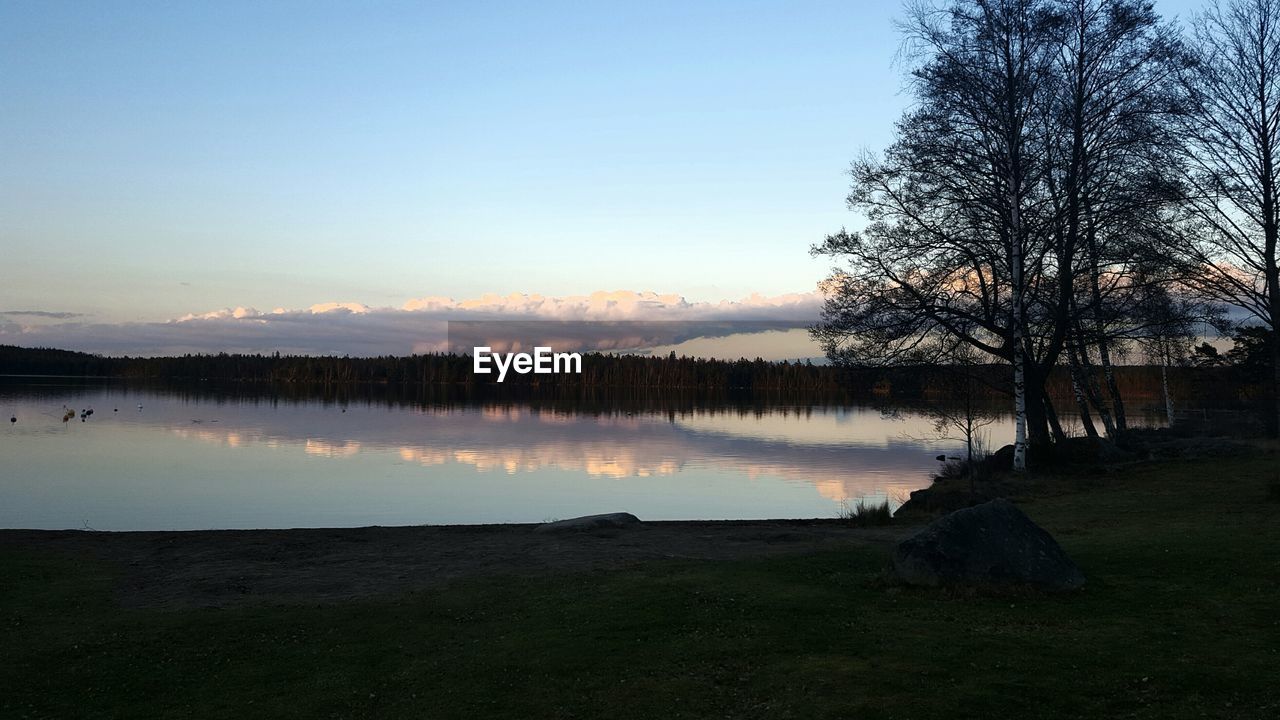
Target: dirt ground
222, 567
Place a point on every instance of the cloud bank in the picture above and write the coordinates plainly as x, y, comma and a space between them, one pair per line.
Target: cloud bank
420, 325
40, 314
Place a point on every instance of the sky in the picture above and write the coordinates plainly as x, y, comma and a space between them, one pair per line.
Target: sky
229, 163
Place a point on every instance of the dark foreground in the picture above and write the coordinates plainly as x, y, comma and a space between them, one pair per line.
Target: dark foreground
1181, 618
235, 567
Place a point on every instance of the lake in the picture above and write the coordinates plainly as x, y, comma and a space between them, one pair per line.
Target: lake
151, 459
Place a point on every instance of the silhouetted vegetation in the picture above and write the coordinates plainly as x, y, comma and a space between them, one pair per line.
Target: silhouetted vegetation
1074, 180
865, 513
431, 369
964, 396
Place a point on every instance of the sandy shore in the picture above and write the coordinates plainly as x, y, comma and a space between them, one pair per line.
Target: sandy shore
221, 567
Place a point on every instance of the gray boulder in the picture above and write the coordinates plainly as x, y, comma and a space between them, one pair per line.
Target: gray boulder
588, 523
989, 544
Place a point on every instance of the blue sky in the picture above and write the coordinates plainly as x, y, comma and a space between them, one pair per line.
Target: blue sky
165, 159
278, 154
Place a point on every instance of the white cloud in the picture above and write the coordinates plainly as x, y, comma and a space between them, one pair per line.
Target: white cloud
419, 325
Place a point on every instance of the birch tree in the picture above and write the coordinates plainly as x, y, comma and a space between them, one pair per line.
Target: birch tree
1113, 180
1232, 133
1022, 202
955, 242
1167, 330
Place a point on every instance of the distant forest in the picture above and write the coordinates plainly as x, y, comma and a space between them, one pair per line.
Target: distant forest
431, 369
1233, 380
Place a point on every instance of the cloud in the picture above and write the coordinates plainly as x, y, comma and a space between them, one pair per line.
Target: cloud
41, 314
606, 320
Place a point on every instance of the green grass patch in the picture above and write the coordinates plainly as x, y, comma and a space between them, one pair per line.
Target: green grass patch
1181, 619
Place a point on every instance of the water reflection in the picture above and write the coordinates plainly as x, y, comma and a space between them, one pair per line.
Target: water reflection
184, 462
841, 452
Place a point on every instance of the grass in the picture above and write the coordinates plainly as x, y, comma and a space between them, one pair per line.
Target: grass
865, 513
1181, 619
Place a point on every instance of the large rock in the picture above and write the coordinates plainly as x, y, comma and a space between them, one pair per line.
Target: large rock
1001, 460
991, 543
587, 523
942, 496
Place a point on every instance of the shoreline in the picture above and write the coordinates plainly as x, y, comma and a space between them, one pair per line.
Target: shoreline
185, 568
740, 618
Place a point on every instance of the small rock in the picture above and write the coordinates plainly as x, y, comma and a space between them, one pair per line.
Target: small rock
606, 521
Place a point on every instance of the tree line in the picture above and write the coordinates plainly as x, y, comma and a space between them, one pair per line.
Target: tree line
1076, 182
1208, 379
598, 370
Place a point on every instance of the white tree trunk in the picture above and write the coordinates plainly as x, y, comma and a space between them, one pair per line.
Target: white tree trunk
1019, 359
1164, 381
1019, 407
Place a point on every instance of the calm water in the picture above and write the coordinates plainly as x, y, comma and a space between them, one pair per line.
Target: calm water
180, 462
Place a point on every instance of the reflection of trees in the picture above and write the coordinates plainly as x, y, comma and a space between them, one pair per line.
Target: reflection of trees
522, 440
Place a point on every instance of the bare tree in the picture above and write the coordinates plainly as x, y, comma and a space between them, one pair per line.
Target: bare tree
1113, 180
961, 412
953, 247
1166, 330
1232, 132
1017, 200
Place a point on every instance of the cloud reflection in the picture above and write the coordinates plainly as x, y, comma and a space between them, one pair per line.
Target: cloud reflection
844, 454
